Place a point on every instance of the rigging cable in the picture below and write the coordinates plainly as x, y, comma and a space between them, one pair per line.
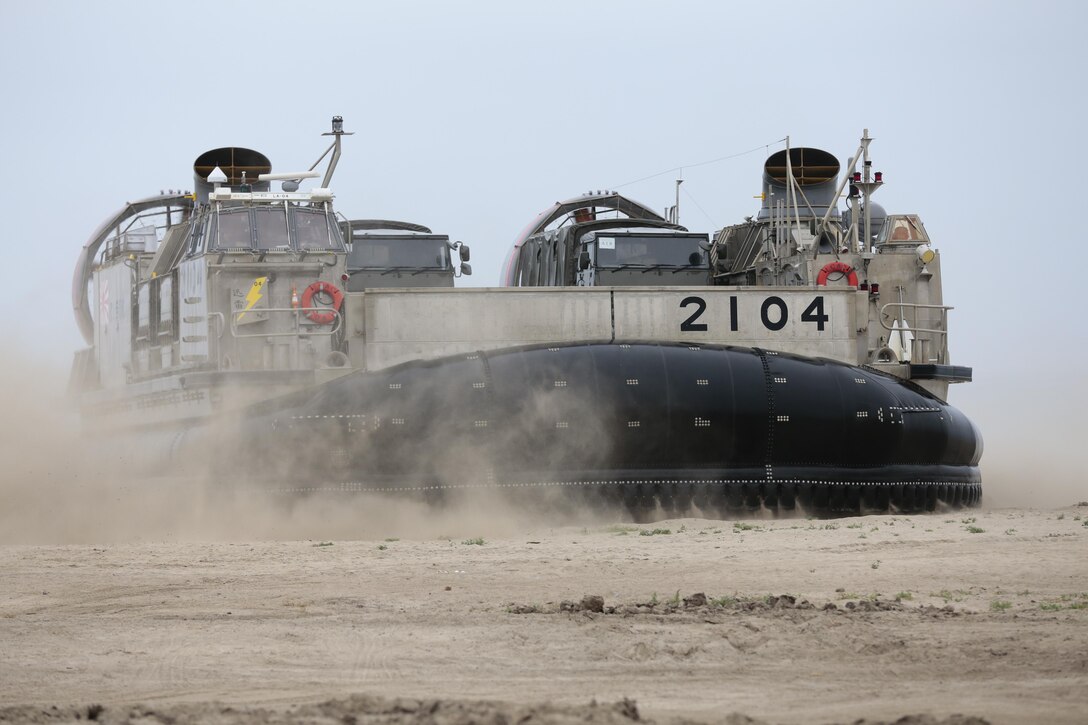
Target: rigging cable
701, 163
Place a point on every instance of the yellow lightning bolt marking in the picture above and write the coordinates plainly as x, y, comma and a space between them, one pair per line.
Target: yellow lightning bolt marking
255, 293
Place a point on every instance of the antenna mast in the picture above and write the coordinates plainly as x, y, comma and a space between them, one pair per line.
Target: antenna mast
337, 132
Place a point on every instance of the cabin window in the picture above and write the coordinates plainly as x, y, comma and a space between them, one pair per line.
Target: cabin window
271, 227
647, 251
399, 253
606, 252
234, 229
902, 229
313, 231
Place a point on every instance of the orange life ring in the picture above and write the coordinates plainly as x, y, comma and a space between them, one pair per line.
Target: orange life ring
842, 268
322, 315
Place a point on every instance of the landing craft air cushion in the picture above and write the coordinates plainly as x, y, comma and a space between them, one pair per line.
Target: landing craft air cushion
628, 360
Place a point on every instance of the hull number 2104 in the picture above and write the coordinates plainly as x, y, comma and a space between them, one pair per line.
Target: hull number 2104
774, 313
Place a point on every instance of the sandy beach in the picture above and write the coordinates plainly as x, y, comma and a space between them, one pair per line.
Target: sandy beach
485, 612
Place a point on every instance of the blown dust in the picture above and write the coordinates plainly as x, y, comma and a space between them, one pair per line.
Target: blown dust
173, 599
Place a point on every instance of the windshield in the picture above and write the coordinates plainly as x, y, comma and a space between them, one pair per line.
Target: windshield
646, 251
406, 252
276, 227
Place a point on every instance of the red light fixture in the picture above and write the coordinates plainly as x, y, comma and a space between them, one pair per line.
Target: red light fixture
857, 176
879, 176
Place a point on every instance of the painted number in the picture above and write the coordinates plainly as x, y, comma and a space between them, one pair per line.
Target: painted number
774, 313
815, 313
783, 313
690, 324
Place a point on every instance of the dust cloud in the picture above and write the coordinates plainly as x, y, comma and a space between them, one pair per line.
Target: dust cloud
1033, 428
59, 486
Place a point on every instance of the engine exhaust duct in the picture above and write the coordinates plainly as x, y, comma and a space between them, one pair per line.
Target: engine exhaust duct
235, 162
816, 173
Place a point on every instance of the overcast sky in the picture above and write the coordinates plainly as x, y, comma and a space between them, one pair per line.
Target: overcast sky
472, 117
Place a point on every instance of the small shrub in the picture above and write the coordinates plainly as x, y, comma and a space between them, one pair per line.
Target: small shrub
950, 596
382, 547
1000, 605
905, 596
1050, 606
473, 542
976, 529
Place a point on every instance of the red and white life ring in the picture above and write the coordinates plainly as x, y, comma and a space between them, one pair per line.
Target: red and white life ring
322, 315
840, 267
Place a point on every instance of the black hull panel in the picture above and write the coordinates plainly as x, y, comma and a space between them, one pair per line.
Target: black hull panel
718, 426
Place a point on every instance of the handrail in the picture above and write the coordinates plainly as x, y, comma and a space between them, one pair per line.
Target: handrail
299, 330
943, 333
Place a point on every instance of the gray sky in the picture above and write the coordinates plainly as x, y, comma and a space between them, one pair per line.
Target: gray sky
472, 117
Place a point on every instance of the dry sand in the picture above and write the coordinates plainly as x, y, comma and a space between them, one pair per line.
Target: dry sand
981, 613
